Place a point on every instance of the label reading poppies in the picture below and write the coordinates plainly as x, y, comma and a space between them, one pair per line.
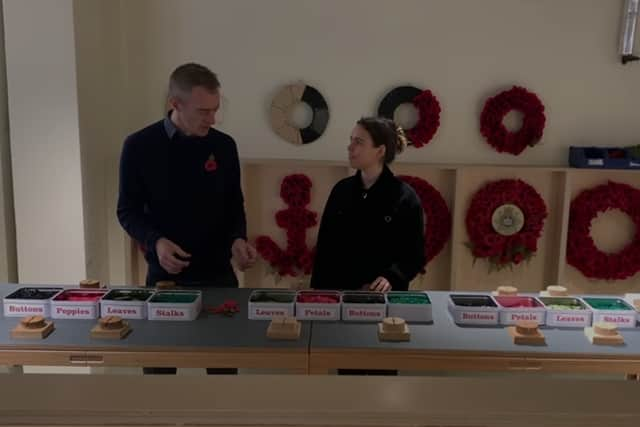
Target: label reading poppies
74, 311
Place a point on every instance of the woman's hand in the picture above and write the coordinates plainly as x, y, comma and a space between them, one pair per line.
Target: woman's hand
381, 284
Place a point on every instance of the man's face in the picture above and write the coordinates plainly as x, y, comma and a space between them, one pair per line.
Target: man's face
197, 110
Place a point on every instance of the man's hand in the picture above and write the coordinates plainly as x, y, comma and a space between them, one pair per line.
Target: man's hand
168, 253
244, 254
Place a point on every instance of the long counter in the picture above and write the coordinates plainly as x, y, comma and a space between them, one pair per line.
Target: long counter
217, 341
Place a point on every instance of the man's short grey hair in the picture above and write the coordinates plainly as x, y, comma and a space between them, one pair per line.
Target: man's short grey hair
187, 76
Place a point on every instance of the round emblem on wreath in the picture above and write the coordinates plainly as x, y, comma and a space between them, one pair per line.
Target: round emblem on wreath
507, 219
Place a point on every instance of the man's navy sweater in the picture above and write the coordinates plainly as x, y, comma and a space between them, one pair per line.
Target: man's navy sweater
186, 189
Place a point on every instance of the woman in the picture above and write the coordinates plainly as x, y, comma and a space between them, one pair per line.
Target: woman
372, 232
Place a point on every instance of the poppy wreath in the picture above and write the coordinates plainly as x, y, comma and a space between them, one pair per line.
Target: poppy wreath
582, 252
497, 107
297, 258
438, 216
425, 103
502, 251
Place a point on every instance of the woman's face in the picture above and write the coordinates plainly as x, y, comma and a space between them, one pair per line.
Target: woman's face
362, 153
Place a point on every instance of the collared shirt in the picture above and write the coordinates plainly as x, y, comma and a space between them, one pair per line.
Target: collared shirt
169, 127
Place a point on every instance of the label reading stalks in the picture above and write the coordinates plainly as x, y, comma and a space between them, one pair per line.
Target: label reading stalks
620, 320
169, 313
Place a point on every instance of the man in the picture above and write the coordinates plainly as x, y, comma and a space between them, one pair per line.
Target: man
180, 194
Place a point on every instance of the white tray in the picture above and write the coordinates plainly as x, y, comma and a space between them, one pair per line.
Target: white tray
410, 312
125, 309
363, 312
61, 309
567, 318
623, 319
318, 310
19, 307
511, 315
463, 314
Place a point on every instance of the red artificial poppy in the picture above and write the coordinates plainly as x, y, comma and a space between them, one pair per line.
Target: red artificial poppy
210, 165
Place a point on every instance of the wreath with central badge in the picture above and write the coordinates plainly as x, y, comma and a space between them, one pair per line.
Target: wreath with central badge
504, 222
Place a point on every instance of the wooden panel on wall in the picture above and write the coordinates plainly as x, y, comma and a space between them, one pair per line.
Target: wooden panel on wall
453, 268
555, 225
609, 231
262, 202
438, 270
529, 276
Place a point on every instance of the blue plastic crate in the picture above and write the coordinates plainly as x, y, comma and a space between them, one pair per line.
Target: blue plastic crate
602, 158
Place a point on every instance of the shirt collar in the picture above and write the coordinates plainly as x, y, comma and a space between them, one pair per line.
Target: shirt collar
169, 127
383, 180
173, 132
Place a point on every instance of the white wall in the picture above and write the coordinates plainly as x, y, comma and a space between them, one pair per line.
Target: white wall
353, 51
100, 76
45, 143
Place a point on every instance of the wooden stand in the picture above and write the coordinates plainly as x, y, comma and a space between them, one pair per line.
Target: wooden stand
526, 333
90, 284
603, 333
32, 327
166, 284
555, 291
393, 329
112, 327
284, 328
505, 290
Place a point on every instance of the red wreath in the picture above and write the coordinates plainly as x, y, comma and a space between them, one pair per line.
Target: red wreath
497, 107
295, 191
582, 252
504, 251
428, 119
438, 223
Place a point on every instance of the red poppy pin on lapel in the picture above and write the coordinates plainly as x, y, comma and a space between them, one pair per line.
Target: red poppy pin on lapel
210, 165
